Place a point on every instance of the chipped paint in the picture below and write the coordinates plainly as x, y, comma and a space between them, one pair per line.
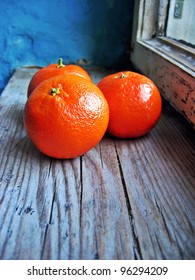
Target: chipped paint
169, 64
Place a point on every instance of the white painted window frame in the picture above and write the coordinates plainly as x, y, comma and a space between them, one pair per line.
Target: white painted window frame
170, 64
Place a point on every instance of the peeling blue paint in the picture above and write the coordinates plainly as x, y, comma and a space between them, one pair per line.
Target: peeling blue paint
39, 32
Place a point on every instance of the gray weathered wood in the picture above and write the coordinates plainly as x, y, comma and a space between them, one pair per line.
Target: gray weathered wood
124, 199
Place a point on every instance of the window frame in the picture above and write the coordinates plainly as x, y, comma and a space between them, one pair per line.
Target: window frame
169, 63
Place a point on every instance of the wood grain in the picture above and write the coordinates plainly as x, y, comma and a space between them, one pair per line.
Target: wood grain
124, 199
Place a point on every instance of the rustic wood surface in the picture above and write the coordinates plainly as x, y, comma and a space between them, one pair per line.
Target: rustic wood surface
124, 199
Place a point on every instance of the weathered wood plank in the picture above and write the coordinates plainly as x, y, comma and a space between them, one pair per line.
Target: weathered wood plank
159, 178
105, 227
124, 199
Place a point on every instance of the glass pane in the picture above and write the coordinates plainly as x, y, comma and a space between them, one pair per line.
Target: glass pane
181, 19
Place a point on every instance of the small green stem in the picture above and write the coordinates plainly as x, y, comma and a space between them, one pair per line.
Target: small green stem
60, 64
55, 91
123, 76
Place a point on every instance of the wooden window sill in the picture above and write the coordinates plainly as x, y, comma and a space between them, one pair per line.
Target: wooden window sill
124, 199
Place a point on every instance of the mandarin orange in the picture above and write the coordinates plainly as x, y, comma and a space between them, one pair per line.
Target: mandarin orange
66, 116
134, 103
52, 70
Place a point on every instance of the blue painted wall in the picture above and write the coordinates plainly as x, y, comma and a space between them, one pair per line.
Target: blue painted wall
39, 32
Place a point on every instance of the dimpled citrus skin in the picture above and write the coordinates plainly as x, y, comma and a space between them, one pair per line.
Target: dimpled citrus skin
69, 123
134, 103
53, 70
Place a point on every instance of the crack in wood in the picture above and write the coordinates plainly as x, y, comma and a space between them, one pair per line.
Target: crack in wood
100, 152
18, 143
136, 248
50, 167
81, 201
49, 222
163, 219
81, 188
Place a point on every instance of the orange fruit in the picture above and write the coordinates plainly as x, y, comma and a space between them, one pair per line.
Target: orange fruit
66, 116
53, 70
134, 103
